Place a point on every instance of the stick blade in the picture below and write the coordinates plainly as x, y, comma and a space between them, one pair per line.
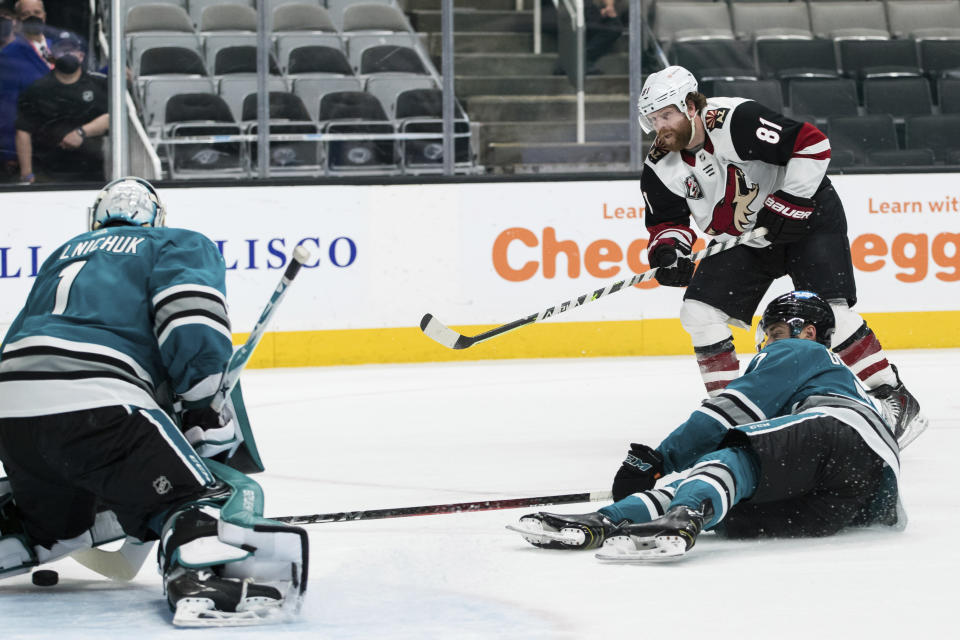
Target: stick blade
439, 332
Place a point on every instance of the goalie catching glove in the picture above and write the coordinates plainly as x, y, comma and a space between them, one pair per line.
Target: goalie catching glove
640, 471
785, 216
210, 433
669, 254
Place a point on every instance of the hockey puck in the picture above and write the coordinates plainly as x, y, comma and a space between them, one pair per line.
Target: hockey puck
45, 578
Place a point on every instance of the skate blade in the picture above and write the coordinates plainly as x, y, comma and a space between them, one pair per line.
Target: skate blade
633, 550
917, 426
200, 612
538, 535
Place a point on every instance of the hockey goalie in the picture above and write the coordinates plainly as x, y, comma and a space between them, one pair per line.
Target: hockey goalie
107, 430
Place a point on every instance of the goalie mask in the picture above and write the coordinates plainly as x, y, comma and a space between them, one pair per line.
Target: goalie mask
797, 309
127, 201
664, 89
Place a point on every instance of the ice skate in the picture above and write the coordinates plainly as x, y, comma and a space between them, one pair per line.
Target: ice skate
666, 538
901, 410
563, 531
200, 598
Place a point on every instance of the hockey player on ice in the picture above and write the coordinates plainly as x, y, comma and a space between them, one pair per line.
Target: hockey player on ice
792, 448
732, 165
116, 355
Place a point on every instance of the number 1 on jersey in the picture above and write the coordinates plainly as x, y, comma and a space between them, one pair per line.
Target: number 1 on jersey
67, 276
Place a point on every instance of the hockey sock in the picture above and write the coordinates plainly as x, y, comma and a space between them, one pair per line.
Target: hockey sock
723, 478
719, 365
642, 507
865, 357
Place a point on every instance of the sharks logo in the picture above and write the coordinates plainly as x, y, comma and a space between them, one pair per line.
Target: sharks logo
715, 118
732, 214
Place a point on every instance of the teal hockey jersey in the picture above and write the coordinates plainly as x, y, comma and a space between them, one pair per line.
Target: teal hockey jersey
788, 377
119, 316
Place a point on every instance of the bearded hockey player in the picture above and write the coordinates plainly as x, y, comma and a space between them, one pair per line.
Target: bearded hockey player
732, 164
792, 448
120, 347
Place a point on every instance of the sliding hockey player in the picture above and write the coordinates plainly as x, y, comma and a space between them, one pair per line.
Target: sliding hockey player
732, 164
792, 448
125, 334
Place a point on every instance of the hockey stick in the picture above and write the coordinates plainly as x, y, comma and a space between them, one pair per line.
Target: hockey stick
456, 507
242, 355
449, 338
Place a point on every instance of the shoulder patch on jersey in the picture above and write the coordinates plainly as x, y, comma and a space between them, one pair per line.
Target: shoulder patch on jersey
692, 188
656, 153
715, 118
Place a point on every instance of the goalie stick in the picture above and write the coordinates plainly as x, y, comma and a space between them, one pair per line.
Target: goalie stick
242, 355
124, 563
449, 338
456, 507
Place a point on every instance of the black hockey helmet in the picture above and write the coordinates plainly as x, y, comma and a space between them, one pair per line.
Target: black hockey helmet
798, 309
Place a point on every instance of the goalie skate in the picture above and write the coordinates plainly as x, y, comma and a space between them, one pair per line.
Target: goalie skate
201, 599
561, 531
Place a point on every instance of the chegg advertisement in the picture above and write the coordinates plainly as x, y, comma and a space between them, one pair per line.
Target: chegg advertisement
905, 250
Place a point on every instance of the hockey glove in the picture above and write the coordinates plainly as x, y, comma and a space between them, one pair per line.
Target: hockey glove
669, 252
210, 433
639, 472
785, 216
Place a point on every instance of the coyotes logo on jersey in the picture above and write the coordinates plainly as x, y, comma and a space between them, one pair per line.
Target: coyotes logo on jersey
732, 214
715, 118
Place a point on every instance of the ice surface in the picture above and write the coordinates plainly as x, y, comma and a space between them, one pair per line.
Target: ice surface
364, 437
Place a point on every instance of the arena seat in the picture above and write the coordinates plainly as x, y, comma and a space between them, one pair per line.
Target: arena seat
199, 114
862, 134
357, 112
759, 20
940, 133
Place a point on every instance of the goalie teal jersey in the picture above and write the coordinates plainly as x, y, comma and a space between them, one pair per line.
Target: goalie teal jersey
119, 316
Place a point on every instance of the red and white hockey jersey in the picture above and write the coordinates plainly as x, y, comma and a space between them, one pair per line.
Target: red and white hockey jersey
749, 153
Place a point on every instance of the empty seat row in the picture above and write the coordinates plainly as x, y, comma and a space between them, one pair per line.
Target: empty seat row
824, 97
231, 56
873, 140
784, 59
239, 15
920, 19
236, 93
418, 111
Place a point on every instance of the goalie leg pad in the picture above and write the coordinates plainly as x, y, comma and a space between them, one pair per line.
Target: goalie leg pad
18, 553
225, 564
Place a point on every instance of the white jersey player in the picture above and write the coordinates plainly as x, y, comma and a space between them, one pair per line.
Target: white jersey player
732, 164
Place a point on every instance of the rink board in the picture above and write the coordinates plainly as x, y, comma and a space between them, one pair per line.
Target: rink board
478, 255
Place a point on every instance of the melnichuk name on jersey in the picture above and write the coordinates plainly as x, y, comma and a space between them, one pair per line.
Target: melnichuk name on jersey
113, 244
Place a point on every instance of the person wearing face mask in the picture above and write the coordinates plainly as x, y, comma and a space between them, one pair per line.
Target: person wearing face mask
61, 119
23, 60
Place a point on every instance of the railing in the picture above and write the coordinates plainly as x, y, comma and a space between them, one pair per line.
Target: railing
140, 148
129, 154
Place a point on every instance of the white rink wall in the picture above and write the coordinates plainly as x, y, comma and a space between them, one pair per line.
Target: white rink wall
487, 253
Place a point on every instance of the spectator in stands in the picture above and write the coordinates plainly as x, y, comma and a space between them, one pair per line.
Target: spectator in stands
7, 21
61, 119
604, 26
8, 159
22, 61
